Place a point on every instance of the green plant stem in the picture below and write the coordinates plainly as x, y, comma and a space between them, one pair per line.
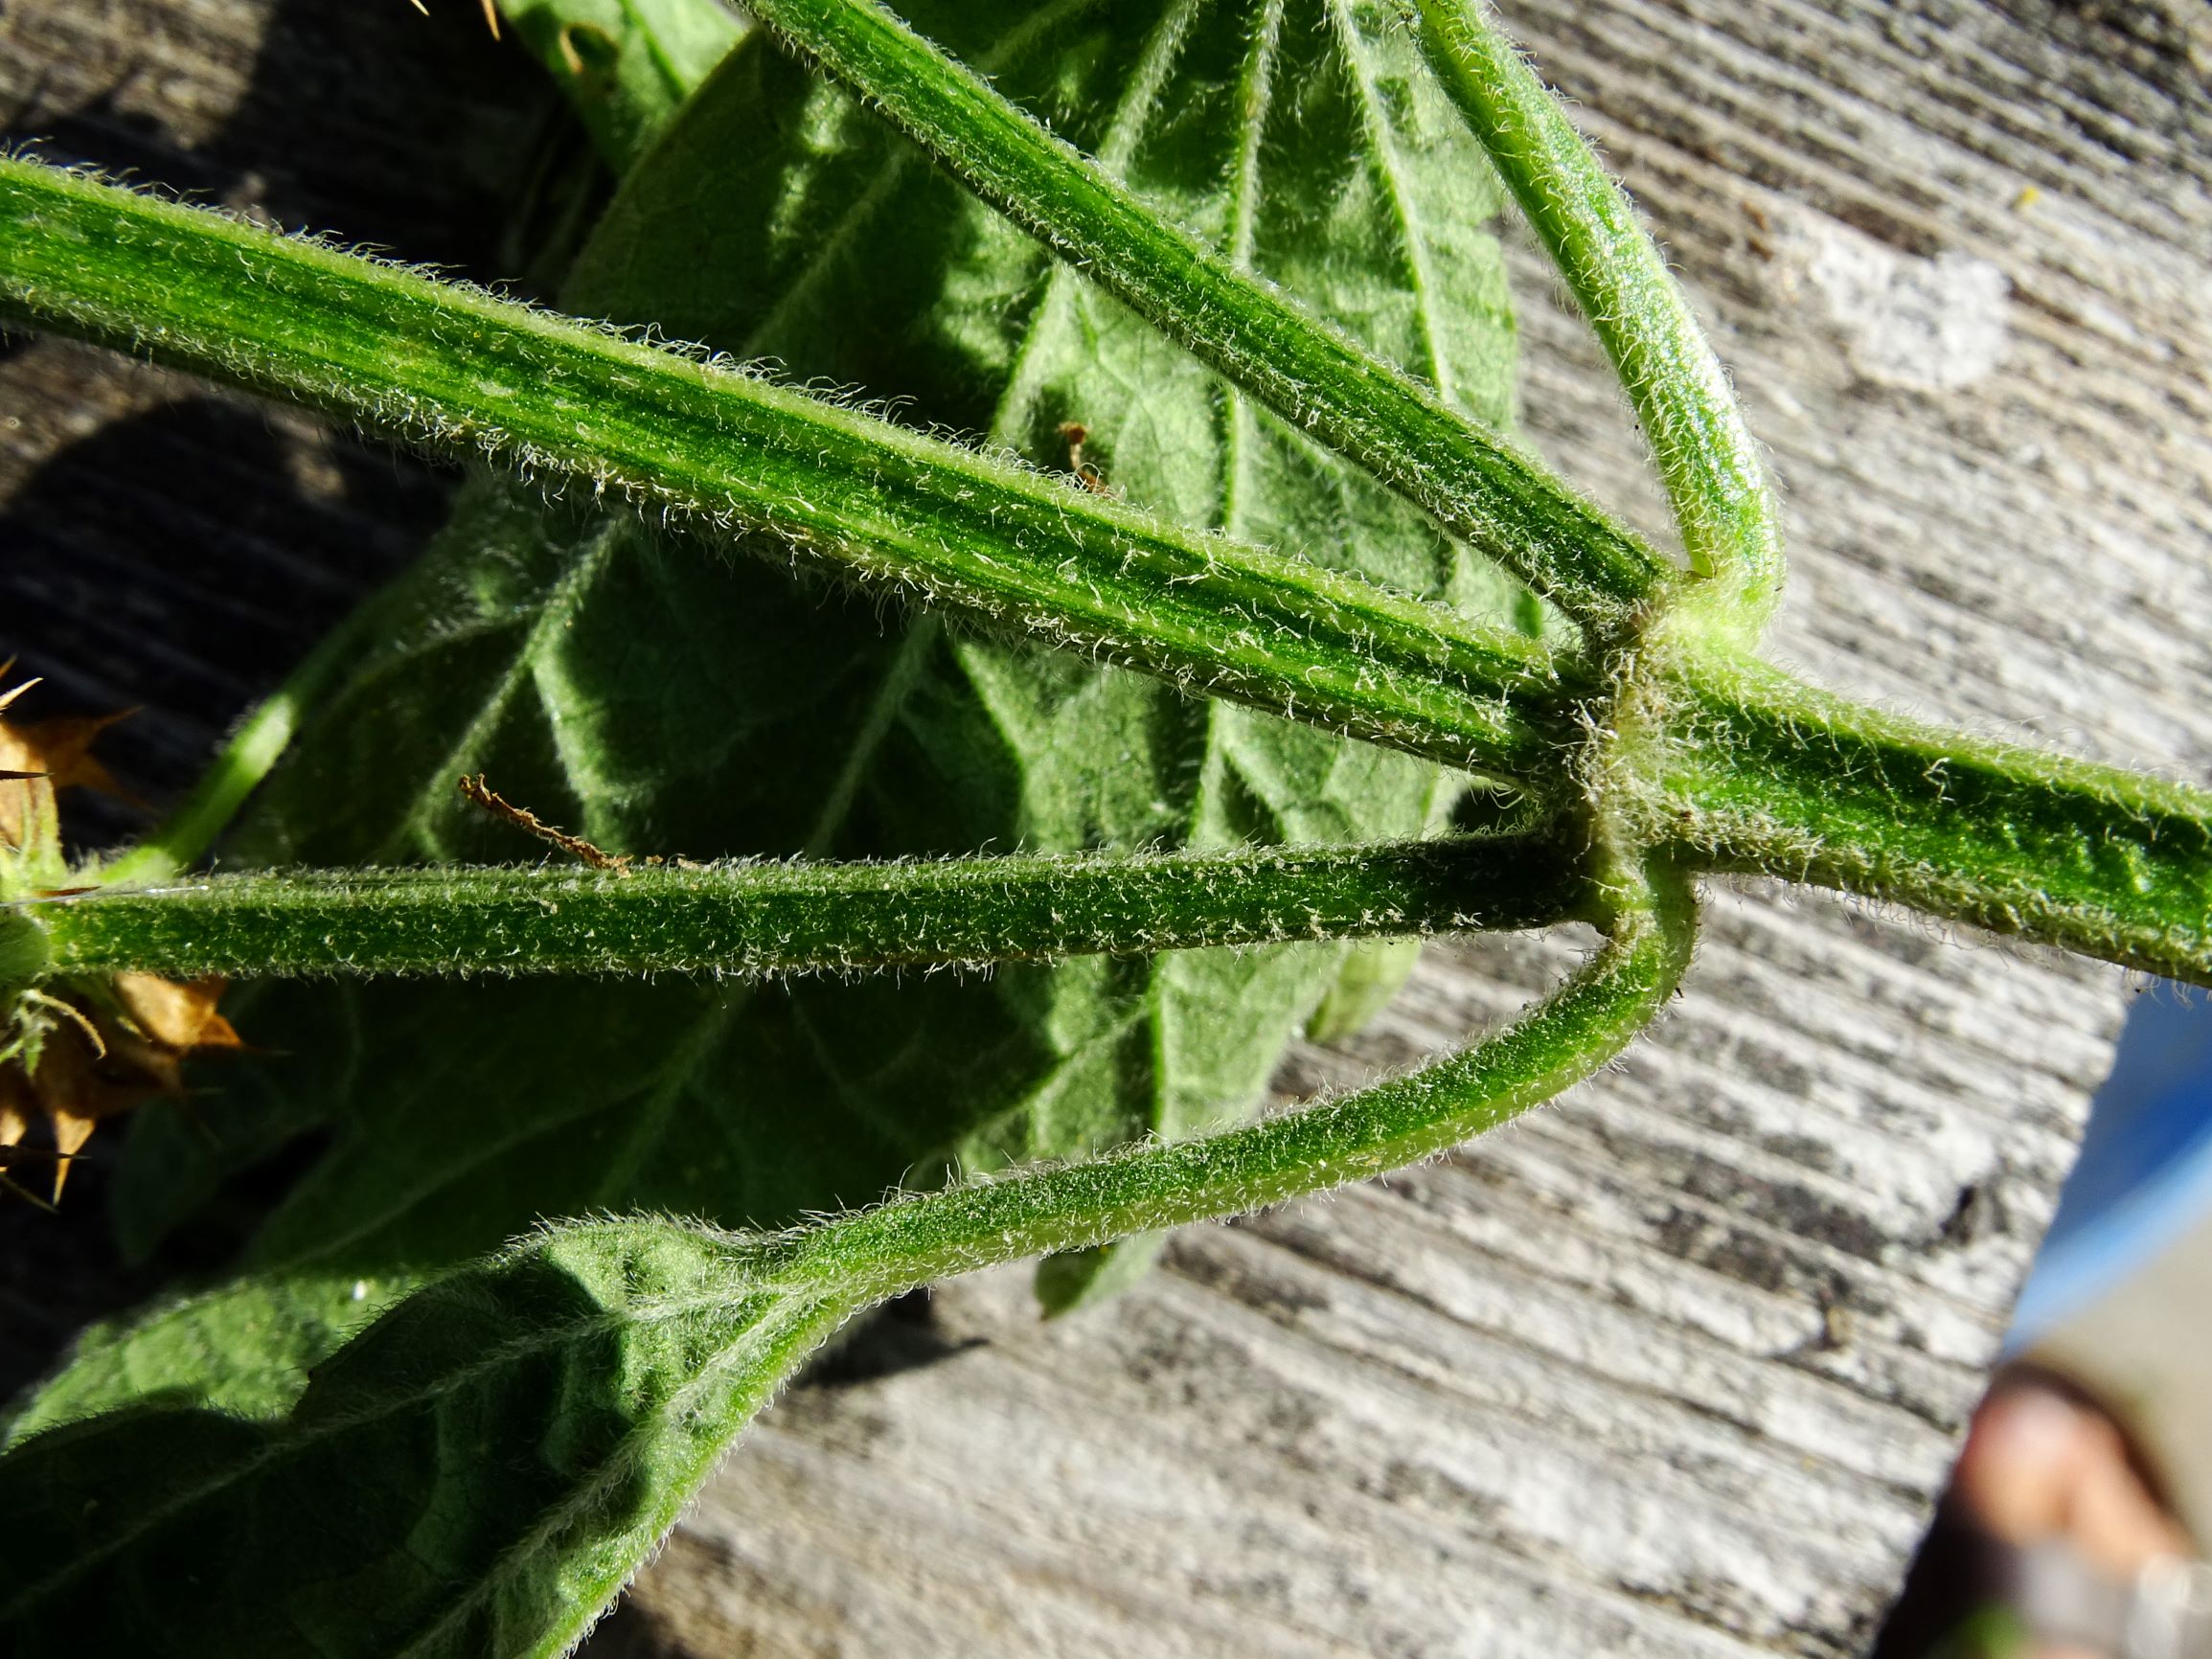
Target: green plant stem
790, 917
1711, 465
238, 766
1760, 773
1563, 1040
1747, 770
662, 50
663, 1340
460, 371
1465, 477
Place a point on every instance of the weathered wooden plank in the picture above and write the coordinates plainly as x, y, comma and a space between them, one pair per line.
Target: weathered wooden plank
1673, 1366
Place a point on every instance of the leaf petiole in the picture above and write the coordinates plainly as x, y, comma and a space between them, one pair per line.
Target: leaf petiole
544, 1514
1711, 465
771, 918
1302, 369
454, 368
1557, 1044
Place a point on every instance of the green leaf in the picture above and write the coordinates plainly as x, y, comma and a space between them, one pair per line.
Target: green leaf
247, 1354
480, 1470
1301, 367
1304, 147
1373, 972
626, 65
656, 700
478, 1473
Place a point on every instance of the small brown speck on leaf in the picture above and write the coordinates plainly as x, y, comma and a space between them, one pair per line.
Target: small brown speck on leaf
1076, 435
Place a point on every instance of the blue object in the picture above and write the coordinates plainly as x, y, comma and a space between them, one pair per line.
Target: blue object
2145, 1174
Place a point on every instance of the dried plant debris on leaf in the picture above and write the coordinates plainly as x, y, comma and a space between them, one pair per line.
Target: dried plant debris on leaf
76, 1049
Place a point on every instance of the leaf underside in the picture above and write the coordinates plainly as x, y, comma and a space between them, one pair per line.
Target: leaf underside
479, 1470
658, 700
478, 1474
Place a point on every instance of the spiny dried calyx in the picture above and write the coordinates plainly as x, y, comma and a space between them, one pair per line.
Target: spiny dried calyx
77, 1049
36, 762
491, 14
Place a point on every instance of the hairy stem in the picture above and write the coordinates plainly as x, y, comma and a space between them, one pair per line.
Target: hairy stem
1762, 773
1714, 474
1562, 1041
1742, 768
459, 369
666, 1340
790, 917
626, 70
1300, 367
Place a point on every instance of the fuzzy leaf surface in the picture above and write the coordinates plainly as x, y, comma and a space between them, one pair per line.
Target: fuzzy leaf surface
475, 1474
627, 66
656, 700
479, 1470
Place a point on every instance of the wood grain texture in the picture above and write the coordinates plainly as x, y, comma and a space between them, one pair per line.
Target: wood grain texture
1675, 1366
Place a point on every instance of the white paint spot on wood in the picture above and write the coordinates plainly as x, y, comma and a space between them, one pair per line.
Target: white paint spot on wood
1929, 325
